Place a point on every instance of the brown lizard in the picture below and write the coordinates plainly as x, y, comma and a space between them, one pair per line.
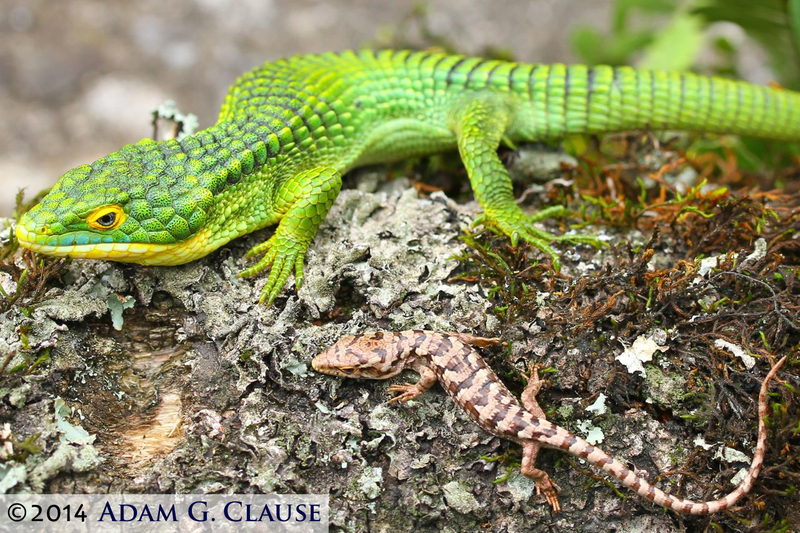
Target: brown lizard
450, 359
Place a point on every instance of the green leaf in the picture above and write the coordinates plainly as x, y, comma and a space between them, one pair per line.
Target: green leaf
677, 47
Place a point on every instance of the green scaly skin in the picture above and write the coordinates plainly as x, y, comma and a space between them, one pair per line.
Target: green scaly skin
289, 129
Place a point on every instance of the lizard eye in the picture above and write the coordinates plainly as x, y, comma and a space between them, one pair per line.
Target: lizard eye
347, 369
107, 220
106, 217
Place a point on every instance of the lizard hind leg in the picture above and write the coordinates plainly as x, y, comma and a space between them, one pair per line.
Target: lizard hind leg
530, 392
530, 449
479, 125
544, 485
303, 200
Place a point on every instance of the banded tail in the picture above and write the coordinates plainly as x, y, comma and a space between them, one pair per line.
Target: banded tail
580, 99
553, 436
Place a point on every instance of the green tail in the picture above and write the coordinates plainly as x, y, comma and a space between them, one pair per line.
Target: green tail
581, 99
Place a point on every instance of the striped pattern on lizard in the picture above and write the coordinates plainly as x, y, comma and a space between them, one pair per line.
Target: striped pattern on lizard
289, 129
450, 359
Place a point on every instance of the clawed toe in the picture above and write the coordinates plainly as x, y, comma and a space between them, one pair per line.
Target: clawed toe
262, 264
407, 391
518, 226
284, 255
551, 497
549, 490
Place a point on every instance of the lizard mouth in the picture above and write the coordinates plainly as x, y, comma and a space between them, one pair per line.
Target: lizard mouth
111, 250
125, 252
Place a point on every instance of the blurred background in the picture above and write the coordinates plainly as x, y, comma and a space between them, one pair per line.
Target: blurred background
79, 79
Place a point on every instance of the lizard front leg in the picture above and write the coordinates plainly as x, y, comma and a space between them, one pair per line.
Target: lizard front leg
409, 391
481, 342
304, 201
480, 125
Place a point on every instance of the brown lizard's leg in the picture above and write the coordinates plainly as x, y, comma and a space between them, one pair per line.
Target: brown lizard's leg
409, 391
480, 342
544, 485
531, 390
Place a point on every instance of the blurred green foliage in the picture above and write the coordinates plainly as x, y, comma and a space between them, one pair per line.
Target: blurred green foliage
675, 34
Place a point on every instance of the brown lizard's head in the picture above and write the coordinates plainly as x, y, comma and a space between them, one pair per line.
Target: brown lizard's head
368, 356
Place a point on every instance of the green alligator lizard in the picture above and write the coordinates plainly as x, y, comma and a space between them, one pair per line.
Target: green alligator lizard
289, 129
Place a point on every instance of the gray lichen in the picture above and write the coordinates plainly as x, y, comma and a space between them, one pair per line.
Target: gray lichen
247, 413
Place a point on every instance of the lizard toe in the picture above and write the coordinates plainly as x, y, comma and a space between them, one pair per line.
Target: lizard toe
264, 263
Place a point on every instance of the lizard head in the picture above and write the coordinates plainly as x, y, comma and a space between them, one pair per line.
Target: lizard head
119, 208
367, 356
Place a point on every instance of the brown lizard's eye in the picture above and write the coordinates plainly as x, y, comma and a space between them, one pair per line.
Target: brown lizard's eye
347, 369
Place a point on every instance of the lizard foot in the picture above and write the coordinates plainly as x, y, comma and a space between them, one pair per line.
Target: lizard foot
517, 225
408, 391
534, 382
284, 253
303, 200
545, 487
